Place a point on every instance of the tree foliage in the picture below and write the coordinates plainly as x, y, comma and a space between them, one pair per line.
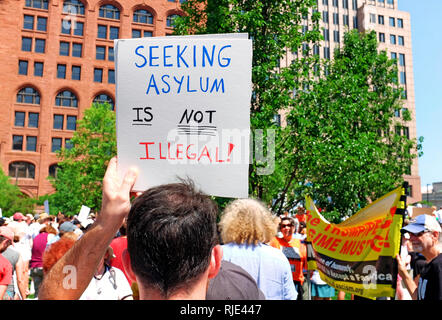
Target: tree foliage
81, 169
12, 200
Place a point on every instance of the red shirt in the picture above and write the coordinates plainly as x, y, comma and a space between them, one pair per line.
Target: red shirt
119, 245
5, 271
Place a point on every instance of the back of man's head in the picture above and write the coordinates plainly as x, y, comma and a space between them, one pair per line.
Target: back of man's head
171, 230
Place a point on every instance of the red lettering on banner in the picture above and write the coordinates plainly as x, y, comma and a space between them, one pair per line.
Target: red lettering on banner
146, 144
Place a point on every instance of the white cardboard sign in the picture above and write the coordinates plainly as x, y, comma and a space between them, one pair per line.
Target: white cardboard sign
183, 111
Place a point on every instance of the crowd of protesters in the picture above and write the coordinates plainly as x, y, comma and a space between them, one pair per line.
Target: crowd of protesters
167, 244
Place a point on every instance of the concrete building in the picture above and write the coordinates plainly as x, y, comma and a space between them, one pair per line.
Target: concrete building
433, 194
56, 59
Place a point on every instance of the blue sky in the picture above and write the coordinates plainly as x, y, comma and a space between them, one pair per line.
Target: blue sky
427, 65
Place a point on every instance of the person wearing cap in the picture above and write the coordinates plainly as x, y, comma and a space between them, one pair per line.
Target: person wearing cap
64, 228
6, 238
424, 234
246, 226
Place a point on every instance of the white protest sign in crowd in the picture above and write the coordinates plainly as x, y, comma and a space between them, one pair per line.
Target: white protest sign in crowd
183, 111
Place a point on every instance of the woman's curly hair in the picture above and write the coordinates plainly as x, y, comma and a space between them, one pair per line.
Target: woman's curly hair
247, 221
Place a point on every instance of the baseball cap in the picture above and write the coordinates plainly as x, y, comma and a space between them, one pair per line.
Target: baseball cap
233, 283
18, 216
423, 222
67, 227
7, 233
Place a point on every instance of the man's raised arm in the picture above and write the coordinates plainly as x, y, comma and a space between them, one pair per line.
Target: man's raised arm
71, 275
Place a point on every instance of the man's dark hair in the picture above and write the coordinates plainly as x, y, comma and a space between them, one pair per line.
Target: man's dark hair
171, 230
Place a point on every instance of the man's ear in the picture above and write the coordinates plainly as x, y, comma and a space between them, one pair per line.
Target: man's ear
215, 261
127, 265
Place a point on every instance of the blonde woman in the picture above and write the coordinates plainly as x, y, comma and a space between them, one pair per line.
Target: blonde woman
246, 226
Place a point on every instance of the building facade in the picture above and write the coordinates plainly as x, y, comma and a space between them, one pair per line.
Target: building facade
57, 59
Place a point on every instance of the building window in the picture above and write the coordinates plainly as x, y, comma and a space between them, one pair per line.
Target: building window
77, 50
53, 170
73, 7
23, 67
76, 73
68, 144
28, 22
381, 37
380, 19
61, 71
71, 123
324, 17
355, 22
42, 23
355, 4
402, 59
33, 120
392, 39
336, 3
21, 169
394, 56
76, 28
326, 34
400, 40
326, 53
170, 19
372, 18
100, 53
64, 48
143, 16
19, 120
403, 77
40, 45
28, 95
102, 32
346, 20
108, 11
38, 69
31, 143
17, 143
148, 34
111, 76
26, 44
37, 4
58, 122
110, 53
335, 18
113, 33
136, 33
325, 2
104, 98
392, 22
98, 75
56, 144
345, 4
66, 99
336, 37
400, 23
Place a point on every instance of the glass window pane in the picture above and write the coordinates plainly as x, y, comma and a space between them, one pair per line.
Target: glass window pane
110, 53
31, 143
111, 76
64, 48
79, 27
76, 73
61, 71
38, 69
98, 75
17, 142
19, 119
136, 33
58, 121
102, 32
113, 33
77, 49
28, 22
100, 53
66, 26
33, 120
23, 67
26, 44
42, 23
40, 45
71, 123
56, 144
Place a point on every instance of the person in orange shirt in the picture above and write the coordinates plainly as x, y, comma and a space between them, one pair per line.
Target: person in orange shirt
294, 250
301, 214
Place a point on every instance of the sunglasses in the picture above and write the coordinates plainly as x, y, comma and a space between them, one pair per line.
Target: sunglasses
285, 225
419, 233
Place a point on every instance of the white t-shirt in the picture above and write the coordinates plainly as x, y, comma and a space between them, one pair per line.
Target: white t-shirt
113, 285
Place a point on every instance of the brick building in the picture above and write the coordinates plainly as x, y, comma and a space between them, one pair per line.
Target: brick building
56, 59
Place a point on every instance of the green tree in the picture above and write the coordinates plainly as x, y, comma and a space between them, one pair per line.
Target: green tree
343, 142
82, 167
12, 200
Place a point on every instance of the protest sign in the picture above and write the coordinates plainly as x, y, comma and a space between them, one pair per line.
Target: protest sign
84, 213
183, 111
358, 255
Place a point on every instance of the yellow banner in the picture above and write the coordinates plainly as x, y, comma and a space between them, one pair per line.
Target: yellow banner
358, 256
